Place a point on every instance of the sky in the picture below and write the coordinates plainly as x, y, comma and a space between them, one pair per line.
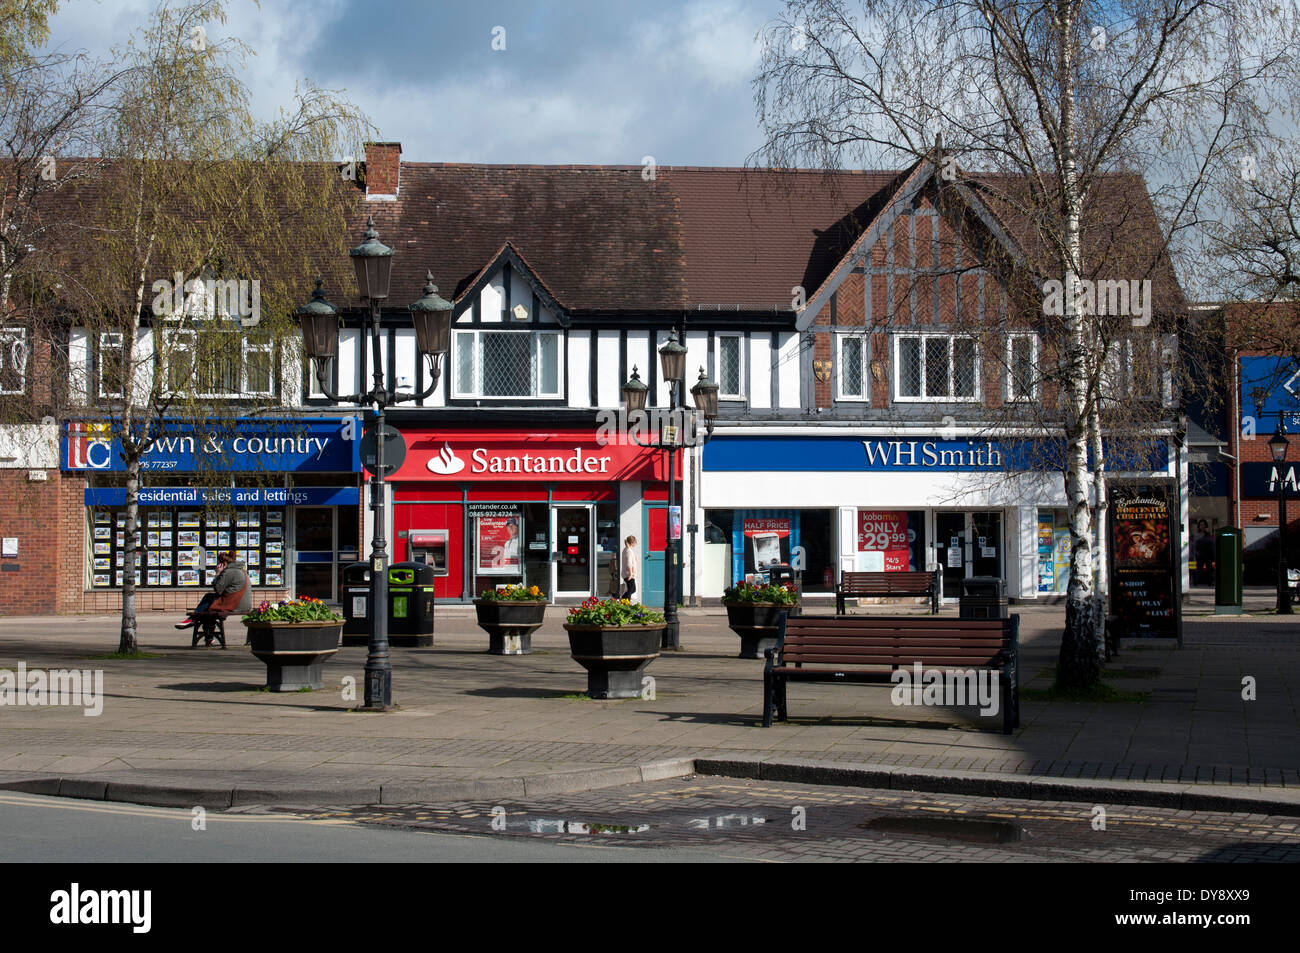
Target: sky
578, 81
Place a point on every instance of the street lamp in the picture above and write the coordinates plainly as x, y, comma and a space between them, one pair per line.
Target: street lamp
672, 357
1277, 446
431, 316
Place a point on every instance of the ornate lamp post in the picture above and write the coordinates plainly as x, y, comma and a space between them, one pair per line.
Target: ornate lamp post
1277, 446
672, 357
319, 319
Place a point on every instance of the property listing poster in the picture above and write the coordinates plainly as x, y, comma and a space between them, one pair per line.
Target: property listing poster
884, 544
1143, 558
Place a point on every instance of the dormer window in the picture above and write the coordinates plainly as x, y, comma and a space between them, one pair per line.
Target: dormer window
495, 364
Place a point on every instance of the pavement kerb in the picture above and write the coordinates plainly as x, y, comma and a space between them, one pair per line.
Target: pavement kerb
1170, 795
220, 797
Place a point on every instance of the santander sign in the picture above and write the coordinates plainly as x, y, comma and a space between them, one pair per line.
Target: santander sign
563, 457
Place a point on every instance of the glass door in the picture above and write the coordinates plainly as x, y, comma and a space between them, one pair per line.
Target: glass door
313, 552
950, 549
572, 532
986, 549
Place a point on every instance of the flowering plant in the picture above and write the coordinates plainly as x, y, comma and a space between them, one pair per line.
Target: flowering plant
513, 593
302, 609
595, 611
747, 592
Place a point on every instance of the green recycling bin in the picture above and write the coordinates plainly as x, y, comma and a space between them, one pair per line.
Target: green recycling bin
1227, 571
410, 604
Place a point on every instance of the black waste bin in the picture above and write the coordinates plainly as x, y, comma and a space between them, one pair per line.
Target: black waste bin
982, 597
356, 599
410, 604
783, 574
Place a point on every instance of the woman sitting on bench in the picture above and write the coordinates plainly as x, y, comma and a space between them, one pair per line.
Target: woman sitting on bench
227, 593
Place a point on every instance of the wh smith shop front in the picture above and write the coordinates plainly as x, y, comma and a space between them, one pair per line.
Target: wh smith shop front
283, 494
968, 506
546, 509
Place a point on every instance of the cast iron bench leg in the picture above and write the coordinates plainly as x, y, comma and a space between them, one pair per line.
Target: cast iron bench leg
768, 698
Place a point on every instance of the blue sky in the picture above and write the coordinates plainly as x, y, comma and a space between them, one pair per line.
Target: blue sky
579, 81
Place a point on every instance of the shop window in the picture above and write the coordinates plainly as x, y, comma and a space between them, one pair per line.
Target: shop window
731, 366
523, 364
1022, 366
13, 360
851, 366
936, 367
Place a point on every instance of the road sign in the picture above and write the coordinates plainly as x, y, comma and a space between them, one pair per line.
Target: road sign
394, 450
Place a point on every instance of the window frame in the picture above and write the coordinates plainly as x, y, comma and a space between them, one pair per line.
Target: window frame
1035, 356
104, 341
924, 398
861, 335
9, 337
739, 338
535, 371
186, 340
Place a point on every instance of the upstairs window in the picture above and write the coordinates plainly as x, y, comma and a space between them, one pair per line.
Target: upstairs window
111, 357
1022, 367
1133, 369
525, 364
731, 366
851, 373
219, 365
13, 360
932, 367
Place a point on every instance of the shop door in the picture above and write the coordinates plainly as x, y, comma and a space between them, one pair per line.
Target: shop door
950, 549
650, 549
313, 552
572, 530
986, 544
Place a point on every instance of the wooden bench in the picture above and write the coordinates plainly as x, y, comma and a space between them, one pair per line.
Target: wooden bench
209, 625
871, 648
889, 584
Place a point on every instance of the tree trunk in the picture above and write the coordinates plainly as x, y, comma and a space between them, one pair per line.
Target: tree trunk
1077, 665
128, 642
1101, 575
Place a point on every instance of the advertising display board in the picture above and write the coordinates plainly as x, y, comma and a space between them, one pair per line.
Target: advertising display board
883, 541
499, 529
1142, 589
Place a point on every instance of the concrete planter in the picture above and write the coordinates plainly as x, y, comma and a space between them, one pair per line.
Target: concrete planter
294, 652
614, 656
756, 624
510, 624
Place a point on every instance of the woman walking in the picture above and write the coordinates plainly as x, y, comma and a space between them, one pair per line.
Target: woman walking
629, 567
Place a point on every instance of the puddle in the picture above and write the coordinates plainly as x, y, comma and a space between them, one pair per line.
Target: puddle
979, 830
723, 821
583, 827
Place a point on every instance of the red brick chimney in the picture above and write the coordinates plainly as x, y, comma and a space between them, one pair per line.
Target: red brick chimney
383, 170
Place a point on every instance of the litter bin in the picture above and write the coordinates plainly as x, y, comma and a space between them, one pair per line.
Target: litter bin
982, 597
410, 604
1227, 571
783, 574
356, 597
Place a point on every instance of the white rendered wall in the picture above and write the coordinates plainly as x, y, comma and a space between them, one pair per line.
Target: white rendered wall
579, 368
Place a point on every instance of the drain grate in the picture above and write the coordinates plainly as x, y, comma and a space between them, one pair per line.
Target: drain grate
976, 829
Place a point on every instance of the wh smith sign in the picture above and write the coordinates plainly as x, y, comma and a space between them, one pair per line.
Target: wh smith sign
312, 445
1260, 479
847, 454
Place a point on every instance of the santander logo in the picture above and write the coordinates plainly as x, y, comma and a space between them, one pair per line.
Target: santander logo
446, 462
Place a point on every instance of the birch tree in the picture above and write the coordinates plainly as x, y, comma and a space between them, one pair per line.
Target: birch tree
1043, 106
198, 200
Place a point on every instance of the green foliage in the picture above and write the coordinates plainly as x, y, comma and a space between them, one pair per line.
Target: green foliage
302, 609
613, 612
745, 593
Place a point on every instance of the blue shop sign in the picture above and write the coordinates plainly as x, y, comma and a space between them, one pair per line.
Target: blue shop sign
1269, 386
1260, 480
239, 496
850, 454
247, 445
